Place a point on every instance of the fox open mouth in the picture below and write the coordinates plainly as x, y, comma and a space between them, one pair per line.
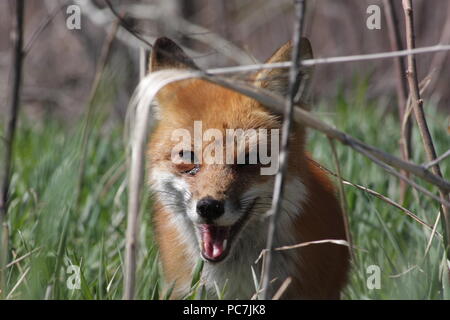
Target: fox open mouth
216, 240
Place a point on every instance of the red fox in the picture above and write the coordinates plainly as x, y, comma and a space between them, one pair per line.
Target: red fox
216, 211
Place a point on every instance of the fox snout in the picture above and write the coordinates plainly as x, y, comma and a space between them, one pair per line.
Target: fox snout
210, 209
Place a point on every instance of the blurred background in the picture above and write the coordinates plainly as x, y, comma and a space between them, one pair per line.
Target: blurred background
61, 64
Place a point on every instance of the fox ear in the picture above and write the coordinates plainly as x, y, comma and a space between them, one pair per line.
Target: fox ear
277, 80
166, 54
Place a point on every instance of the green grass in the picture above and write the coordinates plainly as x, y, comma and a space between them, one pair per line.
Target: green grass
55, 231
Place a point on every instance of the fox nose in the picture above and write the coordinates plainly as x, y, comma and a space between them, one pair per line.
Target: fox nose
210, 208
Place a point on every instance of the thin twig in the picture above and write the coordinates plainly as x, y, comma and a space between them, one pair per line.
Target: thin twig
20, 269
143, 62
343, 199
402, 177
433, 232
305, 244
409, 106
104, 17
396, 45
26, 255
193, 31
259, 291
136, 34
42, 27
421, 119
182, 26
282, 289
439, 159
13, 112
393, 276
139, 117
22, 277
378, 195
125, 24
331, 60
294, 84
304, 117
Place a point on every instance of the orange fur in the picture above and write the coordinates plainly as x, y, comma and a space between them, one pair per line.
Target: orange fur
318, 271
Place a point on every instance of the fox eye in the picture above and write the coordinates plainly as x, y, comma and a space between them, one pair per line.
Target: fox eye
187, 156
188, 167
193, 171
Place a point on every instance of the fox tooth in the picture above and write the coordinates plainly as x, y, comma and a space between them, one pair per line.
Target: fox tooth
225, 242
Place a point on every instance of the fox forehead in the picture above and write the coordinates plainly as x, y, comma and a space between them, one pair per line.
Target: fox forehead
216, 107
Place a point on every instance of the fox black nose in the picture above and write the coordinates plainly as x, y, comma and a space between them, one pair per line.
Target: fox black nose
210, 208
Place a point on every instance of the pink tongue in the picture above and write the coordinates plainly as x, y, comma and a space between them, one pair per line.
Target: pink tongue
214, 240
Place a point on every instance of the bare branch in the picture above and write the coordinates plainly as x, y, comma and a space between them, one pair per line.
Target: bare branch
152, 12
278, 191
282, 289
143, 62
21, 279
17, 260
437, 160
304, 117
421, 119
330, 60
42, 27
342, 198
194, 31
305, 244
13, 112
433, 232
379, 196
402, 177
125, 25
103, 18
396, 44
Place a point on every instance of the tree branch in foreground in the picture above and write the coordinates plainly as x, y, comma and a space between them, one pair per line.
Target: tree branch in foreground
278, 190
421, 119
13, 112
402, 91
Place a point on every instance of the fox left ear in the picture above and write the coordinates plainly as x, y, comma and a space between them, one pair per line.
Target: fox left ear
277, 80
166, 54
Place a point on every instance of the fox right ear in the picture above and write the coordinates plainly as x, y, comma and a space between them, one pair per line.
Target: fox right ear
166, 54
277, 80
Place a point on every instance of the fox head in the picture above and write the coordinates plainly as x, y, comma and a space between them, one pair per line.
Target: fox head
216, 203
